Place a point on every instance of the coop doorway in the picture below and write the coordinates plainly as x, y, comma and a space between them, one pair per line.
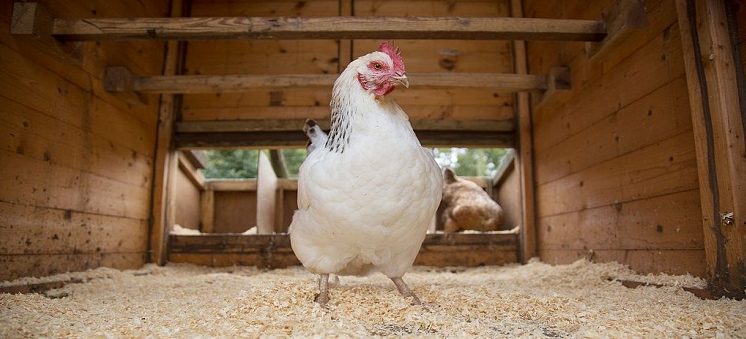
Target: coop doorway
234, 206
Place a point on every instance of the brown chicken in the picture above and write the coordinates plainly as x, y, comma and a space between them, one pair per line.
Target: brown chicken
466, 206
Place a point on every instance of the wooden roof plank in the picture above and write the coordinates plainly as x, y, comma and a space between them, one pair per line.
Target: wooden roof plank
340, 27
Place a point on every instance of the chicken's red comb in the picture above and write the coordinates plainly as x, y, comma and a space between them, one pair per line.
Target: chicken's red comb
395, 54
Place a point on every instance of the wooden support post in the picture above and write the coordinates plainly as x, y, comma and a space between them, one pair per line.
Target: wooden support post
525, 154
344, 27
718, 123
166, 159
118, 79
266, 188
622, 19
207, 210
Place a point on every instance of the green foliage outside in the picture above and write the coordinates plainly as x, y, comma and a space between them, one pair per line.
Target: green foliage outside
293, 159
241, 164
470, 161
231, 164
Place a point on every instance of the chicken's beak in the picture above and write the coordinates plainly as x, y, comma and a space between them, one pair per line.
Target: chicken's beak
401, 80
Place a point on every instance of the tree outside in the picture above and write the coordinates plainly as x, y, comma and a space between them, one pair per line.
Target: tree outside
242, 163
470, 161
231, 164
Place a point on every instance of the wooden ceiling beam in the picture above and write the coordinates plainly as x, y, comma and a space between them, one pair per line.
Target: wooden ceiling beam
295, 125
119, 79
297, 139
339, 27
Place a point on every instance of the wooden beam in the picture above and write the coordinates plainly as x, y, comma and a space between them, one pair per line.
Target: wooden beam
198, 159
286, 125
718, 123
341, 27
266, 190
273, 251
231, 185
505, 165
191, 172
622, 19
525, 153
118, 79
297, 139
207, 211
238, 243
166, 159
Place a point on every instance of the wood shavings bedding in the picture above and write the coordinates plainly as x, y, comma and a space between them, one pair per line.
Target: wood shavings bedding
533, 300
178, 230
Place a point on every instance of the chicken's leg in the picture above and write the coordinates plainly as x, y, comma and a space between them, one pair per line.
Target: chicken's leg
405, 291
323, 297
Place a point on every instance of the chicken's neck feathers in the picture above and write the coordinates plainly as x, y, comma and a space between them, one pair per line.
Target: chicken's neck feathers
350, 102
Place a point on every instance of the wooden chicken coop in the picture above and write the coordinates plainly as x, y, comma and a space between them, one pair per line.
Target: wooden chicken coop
626, 116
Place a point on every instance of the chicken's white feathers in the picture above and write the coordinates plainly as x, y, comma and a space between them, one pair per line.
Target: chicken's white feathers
316, 136
366, 198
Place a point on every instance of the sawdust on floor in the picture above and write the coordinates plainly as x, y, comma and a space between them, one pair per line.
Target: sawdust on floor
533, 300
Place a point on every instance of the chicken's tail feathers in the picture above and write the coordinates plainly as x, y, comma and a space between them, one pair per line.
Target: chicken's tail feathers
308, 125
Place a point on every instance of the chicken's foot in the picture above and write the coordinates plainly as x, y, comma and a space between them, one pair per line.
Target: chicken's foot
323, 297
405, 291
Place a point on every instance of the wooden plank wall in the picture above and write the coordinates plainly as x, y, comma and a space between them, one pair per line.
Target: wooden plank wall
616, 172
740, 8
508, 194
323, 56
188, 198
76, 161
235, 211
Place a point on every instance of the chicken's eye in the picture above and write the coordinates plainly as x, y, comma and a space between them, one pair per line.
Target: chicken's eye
377, 66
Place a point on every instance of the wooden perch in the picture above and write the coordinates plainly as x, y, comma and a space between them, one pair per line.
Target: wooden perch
273, 251
295, 125
298, 139
287, 133
342, 27
118, 79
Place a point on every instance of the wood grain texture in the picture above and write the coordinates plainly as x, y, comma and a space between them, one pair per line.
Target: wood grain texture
187, 204
687, 261
77, 160
718, 121
272, 57
615, 158
166, 157
329, 28
239, 82
274, 125
297, 139
273, 251
235, 211
266, 188
26, 265
525, 167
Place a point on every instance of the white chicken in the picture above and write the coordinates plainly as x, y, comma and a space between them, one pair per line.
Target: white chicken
366, 198
316, 136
